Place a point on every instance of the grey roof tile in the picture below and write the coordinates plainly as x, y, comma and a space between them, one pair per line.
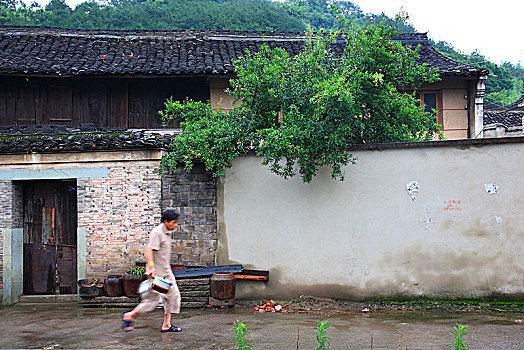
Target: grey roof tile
510, 116
109, 52
48, 138
507, 118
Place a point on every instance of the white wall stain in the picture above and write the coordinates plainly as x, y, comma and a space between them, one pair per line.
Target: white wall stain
412, 189
427, 220
491, 188
500, 220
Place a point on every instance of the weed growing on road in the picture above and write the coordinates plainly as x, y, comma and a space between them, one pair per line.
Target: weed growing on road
459, 331
321, 335
240, 331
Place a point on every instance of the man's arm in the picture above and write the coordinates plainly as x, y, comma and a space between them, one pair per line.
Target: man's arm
149, 260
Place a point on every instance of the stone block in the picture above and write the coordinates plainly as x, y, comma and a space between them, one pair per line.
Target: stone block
207, 258
194, 293
193, 304
194, 282
189, 258
181, 250
179, 235
199, 235
194, 193
202, 288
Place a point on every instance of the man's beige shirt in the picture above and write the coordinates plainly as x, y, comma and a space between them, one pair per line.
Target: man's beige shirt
160, 242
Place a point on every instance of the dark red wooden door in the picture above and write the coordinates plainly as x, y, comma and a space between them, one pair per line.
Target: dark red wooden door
50, 220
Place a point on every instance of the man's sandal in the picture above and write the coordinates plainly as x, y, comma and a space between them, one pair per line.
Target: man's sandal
171, 329
127, 324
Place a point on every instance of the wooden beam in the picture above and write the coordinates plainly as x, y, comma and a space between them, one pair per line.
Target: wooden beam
251, 278
206, 271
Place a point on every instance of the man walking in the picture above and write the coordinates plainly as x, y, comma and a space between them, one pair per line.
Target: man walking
158, 259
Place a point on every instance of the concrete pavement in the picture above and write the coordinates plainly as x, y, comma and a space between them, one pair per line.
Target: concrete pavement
69, 326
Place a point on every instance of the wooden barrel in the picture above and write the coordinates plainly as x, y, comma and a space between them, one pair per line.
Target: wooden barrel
223, 285
114, 286
131, 283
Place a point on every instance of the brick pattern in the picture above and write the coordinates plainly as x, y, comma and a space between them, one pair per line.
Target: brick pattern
193, 195
119, 212
6, 204
11, 212
18, 205
1, 254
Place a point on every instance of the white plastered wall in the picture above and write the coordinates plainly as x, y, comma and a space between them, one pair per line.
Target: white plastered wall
368, 237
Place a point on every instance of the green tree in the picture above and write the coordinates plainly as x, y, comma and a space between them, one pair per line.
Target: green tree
58, 13
303, 112
8, 4
505, 83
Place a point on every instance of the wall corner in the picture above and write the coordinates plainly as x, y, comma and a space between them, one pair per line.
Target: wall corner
479, 106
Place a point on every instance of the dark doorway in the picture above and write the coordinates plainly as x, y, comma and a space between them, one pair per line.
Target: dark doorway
50, 221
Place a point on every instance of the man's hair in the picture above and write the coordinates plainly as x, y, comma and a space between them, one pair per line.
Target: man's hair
169, 215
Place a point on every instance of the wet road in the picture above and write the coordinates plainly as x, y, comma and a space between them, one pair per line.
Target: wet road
70, 326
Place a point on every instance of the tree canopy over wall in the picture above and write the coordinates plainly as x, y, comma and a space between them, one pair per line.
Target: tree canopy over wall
300, 113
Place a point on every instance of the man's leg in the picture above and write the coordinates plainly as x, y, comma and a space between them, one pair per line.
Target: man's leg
167, 321
171, 303
129, 317
147, 304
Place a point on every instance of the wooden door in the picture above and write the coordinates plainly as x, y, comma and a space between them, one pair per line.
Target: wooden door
58, 109
50, 220
27, 104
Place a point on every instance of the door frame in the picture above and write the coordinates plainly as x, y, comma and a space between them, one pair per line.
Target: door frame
50, 211
13, 271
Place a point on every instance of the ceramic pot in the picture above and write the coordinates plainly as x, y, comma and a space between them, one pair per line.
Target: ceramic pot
223, 285
131, 283
89, 290
114, 286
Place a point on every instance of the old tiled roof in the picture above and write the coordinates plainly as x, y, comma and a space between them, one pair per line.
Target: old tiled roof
53, 51
517, 105
42, 139
506, 118
510, 117
433, 58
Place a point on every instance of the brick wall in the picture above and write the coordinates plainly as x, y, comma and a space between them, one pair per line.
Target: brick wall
1, 255
193, 195
18, 205
11, 212
6, 204
6, 216
119, 212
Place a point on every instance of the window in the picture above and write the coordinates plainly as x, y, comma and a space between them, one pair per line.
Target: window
430, 101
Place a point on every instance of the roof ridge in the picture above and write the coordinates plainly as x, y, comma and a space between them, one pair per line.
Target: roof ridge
57, 51
158, 31
213, 32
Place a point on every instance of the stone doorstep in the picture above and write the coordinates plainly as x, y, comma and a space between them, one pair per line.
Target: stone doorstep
195, 288
40, 299
194, 292
193, 282
194, 302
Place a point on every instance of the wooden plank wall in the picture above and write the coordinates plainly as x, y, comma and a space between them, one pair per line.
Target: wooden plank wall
104, 102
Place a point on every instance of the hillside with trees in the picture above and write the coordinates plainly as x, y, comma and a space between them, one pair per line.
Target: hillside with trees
505, 82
